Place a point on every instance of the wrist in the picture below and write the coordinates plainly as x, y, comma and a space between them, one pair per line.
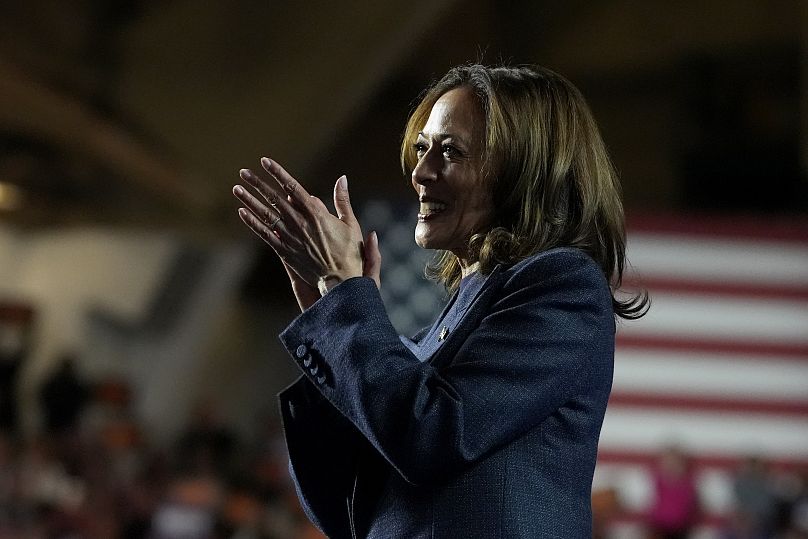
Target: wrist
325, 284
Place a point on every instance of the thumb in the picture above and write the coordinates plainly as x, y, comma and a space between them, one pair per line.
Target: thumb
372, 259
342, 201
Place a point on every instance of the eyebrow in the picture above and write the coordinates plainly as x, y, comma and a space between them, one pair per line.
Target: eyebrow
444, 135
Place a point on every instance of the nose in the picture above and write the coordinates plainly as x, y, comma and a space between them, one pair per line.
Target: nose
426, 170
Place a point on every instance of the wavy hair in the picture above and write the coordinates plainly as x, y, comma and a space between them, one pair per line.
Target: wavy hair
553, 182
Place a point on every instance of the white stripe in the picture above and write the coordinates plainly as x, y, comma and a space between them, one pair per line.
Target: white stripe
742, 319
722, 375
735, 434
703, 259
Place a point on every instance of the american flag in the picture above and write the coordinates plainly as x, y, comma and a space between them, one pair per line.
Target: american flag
718, 367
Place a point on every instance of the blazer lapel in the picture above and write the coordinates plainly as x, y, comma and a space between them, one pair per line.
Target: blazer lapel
468, 319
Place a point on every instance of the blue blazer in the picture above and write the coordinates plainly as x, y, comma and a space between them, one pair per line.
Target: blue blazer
494, 435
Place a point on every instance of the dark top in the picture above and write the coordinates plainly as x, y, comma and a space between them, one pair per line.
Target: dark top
490, 432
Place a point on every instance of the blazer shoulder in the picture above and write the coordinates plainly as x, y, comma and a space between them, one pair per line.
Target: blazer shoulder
562, 276
557, 263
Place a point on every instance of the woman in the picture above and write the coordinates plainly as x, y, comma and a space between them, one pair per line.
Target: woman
485, 425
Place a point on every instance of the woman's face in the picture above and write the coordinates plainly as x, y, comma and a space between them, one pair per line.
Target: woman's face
455, 198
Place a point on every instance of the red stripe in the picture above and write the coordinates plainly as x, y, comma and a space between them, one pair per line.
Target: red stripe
723, 461
777, 228
720, 288
793, 351
708, 404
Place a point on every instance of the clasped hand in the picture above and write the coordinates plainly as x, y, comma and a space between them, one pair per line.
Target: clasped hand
318, 250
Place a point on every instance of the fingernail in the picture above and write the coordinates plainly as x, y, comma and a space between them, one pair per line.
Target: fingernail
343, 182
238, 190
375, 237
266, 162
244, 173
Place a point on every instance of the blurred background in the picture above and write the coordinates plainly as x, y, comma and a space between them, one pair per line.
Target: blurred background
138, 354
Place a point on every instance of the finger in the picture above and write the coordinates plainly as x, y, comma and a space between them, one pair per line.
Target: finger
290, 186
270, 217
342, 201
372, 259
260, 185
262, 231
290, 215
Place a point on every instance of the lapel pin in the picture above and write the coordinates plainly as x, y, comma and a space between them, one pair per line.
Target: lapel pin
443, 333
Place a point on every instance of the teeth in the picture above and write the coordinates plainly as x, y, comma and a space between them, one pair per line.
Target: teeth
428, 208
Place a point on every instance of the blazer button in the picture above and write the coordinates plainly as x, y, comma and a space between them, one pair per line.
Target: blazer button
307, 362
314, 369
321, 379
301, 351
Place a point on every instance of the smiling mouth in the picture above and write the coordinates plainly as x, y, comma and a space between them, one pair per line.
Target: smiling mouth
429, 209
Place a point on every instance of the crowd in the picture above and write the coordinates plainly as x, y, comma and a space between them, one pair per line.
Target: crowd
769, 502
93, 473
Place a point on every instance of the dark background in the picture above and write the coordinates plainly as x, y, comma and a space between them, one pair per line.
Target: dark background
123, 112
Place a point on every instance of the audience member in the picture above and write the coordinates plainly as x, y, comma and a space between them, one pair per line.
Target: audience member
754, 497
15, 325
63, 397
676, 506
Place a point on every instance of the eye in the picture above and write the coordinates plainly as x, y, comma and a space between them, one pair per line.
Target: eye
420, 148
450, 151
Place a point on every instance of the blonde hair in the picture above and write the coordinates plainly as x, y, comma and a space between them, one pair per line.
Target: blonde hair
553, 182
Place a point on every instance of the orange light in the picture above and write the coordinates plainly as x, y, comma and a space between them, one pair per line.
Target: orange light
10, 197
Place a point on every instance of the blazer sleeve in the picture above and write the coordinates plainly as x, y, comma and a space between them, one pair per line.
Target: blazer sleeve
323, 446
549, 328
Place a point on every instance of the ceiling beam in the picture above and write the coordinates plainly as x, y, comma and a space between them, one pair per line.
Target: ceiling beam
30, 108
